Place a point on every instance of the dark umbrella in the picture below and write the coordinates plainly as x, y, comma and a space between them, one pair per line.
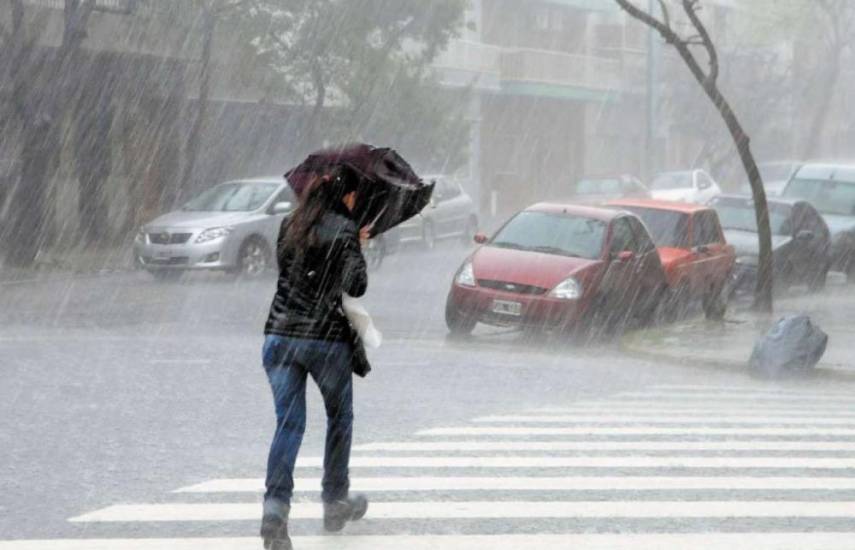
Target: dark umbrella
390, 192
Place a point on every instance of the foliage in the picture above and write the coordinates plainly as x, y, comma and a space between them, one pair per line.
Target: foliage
367, 60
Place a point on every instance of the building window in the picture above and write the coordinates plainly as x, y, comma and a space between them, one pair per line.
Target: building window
541, 18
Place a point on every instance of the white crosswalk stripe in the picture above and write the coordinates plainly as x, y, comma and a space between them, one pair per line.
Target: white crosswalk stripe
514, 461
486, 510
663, 419
687, 405
625, 445
633, 430
695, 456
539, 483
641, 410
632, 541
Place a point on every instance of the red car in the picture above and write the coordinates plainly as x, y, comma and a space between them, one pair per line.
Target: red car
697, 260
559, 266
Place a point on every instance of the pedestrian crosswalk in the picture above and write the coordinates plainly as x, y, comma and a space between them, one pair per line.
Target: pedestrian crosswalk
671, 467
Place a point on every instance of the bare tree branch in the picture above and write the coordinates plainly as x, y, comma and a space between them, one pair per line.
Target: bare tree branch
666, 16
691, 8
665, 30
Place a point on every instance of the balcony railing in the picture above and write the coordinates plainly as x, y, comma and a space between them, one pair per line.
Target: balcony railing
548, 67
469, 56
529, 65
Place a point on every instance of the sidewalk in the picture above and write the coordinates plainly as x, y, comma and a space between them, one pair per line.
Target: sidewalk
71, 262
728, 345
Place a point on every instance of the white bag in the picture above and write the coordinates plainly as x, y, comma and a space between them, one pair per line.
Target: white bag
361, 321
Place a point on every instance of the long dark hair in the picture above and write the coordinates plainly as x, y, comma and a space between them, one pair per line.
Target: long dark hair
324, 194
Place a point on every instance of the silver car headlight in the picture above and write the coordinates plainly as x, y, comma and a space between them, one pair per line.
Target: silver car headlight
466, 276
213, 234
569, 289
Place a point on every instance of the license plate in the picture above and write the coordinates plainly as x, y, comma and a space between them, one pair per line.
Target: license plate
507, 308
162, 255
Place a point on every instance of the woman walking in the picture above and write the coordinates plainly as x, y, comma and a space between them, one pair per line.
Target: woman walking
320, 257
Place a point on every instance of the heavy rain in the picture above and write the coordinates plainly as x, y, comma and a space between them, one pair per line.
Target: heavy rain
427, 274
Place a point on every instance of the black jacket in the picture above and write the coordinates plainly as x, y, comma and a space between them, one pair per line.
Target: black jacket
307, 303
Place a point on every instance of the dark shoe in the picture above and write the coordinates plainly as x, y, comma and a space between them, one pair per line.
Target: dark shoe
274, 526
339, 512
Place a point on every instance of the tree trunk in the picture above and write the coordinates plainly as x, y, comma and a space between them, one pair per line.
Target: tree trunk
763, 291
40, 114
765, 282
196, 132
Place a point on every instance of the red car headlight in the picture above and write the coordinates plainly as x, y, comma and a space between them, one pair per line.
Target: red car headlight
466, 275
569, 289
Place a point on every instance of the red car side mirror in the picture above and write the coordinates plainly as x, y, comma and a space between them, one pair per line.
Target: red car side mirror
626, 256
480, 238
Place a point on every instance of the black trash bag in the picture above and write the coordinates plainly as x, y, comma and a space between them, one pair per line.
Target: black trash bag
793, 346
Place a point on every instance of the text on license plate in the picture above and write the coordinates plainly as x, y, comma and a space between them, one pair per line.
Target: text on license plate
507, 308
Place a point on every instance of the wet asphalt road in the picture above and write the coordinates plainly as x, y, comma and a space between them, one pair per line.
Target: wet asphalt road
119, 389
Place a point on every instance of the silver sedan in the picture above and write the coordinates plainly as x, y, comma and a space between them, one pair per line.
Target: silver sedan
231, 227
450, 214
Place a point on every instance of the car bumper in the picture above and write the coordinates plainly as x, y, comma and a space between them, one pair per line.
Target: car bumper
534, 311
217, 254
743, 278
843, 255
411, 231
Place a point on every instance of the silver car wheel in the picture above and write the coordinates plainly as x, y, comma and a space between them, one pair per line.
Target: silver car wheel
253, 259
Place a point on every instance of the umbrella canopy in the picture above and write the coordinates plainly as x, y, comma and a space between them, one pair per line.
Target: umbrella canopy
389, 193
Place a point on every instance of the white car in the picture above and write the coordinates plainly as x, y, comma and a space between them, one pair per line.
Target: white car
694, 186
450, 214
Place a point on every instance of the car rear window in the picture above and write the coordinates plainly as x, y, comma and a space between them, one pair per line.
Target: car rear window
667, 228
705, 229
599, 187
827, 196
559, 234
232, 197
672, 180
739, 215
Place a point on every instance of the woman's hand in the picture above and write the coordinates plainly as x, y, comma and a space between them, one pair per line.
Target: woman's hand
364, 234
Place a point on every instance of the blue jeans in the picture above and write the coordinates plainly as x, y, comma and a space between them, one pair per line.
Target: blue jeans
287, 361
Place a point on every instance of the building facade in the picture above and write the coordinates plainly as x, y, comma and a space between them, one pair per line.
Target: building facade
560, 90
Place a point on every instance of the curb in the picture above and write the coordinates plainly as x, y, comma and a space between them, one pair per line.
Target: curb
628, 346
48, 275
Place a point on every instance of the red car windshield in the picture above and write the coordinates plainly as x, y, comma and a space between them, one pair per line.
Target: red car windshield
666, 227
559, 234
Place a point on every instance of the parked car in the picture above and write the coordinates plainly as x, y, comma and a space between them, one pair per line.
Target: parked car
696, 258
830, 188
775, 176
599, 189
695, 186
559, 266
801, 241
451, 214
232, 227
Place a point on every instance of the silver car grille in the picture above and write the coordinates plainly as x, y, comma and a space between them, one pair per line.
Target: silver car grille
515, 288
165, 237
